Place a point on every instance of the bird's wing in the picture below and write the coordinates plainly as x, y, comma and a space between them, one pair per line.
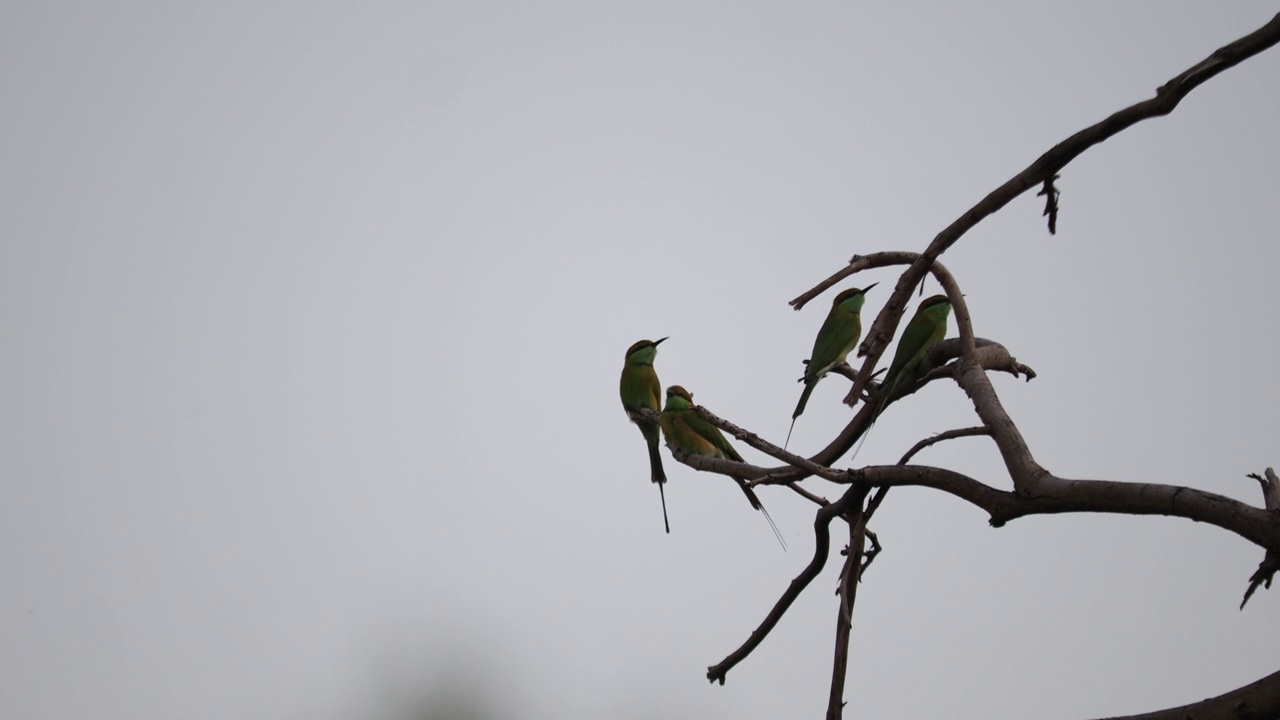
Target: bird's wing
711, 435
653, 390
640, 388
919, 335
838, 335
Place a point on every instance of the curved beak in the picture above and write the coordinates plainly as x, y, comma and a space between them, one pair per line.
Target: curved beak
865, 289
658, 342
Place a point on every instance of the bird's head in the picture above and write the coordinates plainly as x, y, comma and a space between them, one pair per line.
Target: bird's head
644, 350
852, 298
935, 304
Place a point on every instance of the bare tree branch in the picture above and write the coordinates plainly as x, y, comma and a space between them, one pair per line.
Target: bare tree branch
811, 497
822, 546
857, 264
989, 354
1059, 495
848, 593
963, 324
1270, 488
1255, 701
1271, 561
764, 446
946, 435
870, 555
968, 360
1043, 168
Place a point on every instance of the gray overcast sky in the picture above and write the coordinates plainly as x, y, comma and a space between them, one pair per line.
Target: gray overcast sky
313, 316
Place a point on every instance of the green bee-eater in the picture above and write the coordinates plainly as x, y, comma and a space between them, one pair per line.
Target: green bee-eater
838, 335
640, 388
927, 327
688, 431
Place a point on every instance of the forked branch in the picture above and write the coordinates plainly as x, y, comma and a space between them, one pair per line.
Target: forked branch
968, 360
852, 498
1042, 169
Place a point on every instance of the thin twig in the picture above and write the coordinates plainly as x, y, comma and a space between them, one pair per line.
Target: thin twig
870, 555
811, 497
857, 264
945, 435
852, 498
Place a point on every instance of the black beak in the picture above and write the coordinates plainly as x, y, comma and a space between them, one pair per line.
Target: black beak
865, 289
656, 343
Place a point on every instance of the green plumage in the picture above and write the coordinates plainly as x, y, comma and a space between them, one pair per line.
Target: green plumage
927, 327
688, 431
837, 337
639, 388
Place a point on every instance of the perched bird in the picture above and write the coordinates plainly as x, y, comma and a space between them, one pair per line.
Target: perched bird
838, 335
688, 431
640, 388
927, 327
